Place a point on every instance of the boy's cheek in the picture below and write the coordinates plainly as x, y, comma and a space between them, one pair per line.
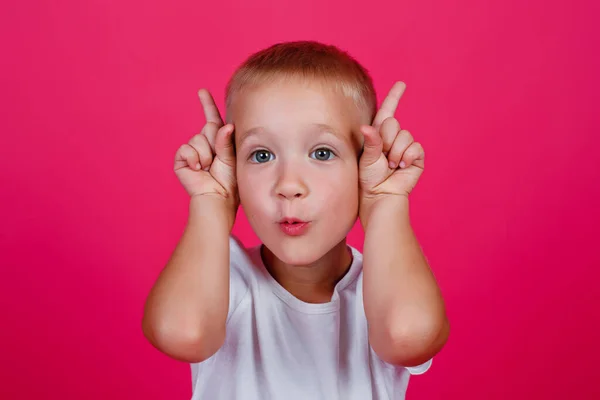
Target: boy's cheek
340, 195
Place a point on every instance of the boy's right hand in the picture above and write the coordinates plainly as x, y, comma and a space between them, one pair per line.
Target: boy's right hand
206, 164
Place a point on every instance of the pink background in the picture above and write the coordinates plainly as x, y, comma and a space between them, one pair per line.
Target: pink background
98, 95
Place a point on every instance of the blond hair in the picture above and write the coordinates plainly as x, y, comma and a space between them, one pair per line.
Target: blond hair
306, 59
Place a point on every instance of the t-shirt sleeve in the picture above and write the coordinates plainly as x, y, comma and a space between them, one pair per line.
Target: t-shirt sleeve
420, 369
238, 281
238, 288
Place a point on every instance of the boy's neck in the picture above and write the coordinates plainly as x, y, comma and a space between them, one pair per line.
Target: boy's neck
313, 283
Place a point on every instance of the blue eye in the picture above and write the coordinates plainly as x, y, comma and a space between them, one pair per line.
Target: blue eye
323, 154
261, 156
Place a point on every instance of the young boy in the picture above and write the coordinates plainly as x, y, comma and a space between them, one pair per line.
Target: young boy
303, 315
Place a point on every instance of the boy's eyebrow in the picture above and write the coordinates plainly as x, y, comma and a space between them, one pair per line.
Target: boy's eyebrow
319, 128
250, 132
339, 135
324, 128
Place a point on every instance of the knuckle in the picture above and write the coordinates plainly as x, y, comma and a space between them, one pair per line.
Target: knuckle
205, 148
390, 123
420, 151
183, 149
200, 144
414, 151
396, 150
206, 156
195, 141
396, 153
196, 138
212, 126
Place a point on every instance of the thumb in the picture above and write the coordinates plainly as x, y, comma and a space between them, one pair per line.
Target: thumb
224, 145
373, 146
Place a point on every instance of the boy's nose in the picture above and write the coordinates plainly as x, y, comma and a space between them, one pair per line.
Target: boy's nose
291, 185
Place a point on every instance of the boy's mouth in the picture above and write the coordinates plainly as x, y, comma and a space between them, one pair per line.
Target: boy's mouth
291, 221
293, 226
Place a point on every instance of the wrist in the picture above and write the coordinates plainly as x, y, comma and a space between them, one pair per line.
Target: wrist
215, 208
389, 207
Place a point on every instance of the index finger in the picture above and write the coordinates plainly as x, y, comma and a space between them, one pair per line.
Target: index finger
211, 112
389, 104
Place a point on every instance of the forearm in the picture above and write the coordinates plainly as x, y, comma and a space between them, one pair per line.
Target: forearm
187, 308
403, 304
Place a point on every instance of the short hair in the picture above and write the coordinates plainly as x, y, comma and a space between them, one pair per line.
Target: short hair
306, 59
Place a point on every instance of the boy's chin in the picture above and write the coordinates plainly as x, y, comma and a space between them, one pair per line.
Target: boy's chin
295, 253
299, 252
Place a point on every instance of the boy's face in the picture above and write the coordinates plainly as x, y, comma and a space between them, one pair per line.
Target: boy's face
297, 148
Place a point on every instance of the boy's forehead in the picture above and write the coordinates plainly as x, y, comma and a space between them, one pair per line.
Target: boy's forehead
277, 105
290, 92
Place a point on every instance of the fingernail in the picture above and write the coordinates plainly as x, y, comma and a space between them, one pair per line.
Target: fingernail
402, 164
198, 166
392, 165
205, 168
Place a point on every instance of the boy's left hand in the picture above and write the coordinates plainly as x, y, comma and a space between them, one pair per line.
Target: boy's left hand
391, 162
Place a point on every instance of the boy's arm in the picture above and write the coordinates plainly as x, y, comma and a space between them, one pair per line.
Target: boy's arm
404, 307
403, 304
187, 308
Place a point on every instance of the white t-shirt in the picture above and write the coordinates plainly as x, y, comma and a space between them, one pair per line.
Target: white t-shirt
279, 347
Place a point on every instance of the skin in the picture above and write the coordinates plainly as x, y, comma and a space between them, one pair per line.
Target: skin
300, 150
307, 134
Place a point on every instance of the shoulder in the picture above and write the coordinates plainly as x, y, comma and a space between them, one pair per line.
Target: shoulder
241, 258
358, 288
236, 247
241, 273
354, 280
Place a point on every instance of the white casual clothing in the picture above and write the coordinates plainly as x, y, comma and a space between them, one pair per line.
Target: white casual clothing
279, 347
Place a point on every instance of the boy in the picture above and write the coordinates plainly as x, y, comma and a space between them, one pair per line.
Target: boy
303, 315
